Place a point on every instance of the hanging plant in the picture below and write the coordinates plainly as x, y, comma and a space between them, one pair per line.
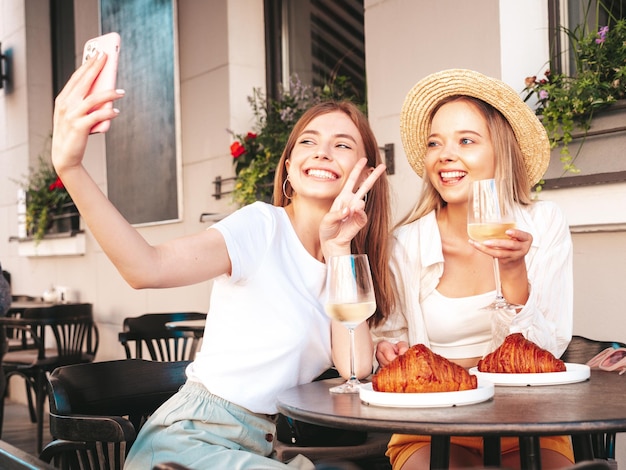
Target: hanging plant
257, 152
45, 198
568, 103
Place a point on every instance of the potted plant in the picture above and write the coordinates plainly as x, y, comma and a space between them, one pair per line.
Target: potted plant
257, 152
567, 103
47, 201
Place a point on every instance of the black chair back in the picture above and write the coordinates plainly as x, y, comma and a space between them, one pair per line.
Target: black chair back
580, 350
163, 344
97, 409
75, 336
73, 329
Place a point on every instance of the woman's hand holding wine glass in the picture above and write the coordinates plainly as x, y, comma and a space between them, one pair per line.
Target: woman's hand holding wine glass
489, 217
350, 301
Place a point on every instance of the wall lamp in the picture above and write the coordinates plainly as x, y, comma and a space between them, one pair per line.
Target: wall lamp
5, 61
389, 157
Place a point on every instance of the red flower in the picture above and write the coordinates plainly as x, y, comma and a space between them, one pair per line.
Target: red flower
236, 149
250, 136
58, 184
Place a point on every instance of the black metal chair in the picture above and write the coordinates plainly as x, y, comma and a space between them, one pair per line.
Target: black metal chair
75, 338
97, 409
580, 350
163, 344
16, 338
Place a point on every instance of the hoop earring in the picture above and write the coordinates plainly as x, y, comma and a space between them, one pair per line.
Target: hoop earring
285, 189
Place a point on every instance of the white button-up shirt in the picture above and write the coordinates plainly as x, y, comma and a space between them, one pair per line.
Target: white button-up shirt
547, 316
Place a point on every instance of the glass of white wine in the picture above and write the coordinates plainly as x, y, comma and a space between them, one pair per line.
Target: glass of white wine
489, 217
350, 301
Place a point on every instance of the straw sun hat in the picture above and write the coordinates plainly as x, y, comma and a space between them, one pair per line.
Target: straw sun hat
428, 92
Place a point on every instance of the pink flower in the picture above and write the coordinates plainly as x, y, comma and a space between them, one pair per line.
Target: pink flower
602, 32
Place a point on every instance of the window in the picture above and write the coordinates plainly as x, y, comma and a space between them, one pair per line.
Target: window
315, 39
62, 32
570, 14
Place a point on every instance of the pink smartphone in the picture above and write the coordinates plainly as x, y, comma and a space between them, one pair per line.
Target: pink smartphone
110, 44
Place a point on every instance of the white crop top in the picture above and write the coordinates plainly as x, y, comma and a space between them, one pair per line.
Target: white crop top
457, 328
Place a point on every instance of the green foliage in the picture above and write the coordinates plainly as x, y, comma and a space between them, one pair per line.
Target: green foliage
567, 103
45, 194
256, 154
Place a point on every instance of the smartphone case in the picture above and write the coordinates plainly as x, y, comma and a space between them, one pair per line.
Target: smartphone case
109, 44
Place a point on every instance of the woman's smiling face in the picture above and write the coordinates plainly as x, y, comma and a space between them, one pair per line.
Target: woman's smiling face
459, 150
324, 154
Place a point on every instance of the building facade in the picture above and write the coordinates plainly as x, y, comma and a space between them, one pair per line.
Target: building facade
220, 58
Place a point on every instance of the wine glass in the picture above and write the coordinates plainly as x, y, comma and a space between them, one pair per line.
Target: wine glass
350, 301
489, 216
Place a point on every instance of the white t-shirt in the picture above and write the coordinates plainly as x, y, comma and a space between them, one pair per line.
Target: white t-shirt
266, 329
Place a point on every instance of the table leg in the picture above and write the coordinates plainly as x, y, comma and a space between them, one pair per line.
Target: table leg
439, 452
529, 453
583, 448
491, 451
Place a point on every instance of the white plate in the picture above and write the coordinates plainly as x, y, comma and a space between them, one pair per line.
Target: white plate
484, 392
573, 373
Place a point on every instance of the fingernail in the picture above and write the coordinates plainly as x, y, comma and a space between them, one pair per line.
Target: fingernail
116, 111
120, 91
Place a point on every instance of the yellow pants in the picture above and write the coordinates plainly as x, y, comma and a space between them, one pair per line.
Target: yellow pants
402, 446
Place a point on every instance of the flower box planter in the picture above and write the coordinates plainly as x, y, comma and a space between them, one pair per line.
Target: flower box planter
600, 155
69, 244
67, 219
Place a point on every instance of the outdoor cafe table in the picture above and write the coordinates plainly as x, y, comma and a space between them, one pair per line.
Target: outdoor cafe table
579, 409
18, 307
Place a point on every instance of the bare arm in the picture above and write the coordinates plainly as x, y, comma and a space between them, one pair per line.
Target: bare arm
180, 262
344, 220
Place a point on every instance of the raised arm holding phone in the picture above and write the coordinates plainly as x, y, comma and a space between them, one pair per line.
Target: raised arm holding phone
268, 266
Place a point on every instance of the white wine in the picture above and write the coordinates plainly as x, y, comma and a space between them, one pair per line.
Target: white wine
351, 314
488, 231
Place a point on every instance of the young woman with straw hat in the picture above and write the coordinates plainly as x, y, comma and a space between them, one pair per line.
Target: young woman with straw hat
458, 126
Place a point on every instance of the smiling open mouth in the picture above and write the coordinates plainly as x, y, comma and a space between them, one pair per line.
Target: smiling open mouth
324, 174
450, 176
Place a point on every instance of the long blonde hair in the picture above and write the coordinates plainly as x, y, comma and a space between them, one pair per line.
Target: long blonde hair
373, 239
509, 166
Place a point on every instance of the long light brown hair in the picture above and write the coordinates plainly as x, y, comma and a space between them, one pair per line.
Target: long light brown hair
509, 164
373, 239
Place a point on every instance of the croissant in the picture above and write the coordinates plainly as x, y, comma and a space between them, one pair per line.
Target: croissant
420, 370
517, 355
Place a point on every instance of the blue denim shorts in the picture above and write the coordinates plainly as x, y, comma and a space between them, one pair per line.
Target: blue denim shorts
203, 431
